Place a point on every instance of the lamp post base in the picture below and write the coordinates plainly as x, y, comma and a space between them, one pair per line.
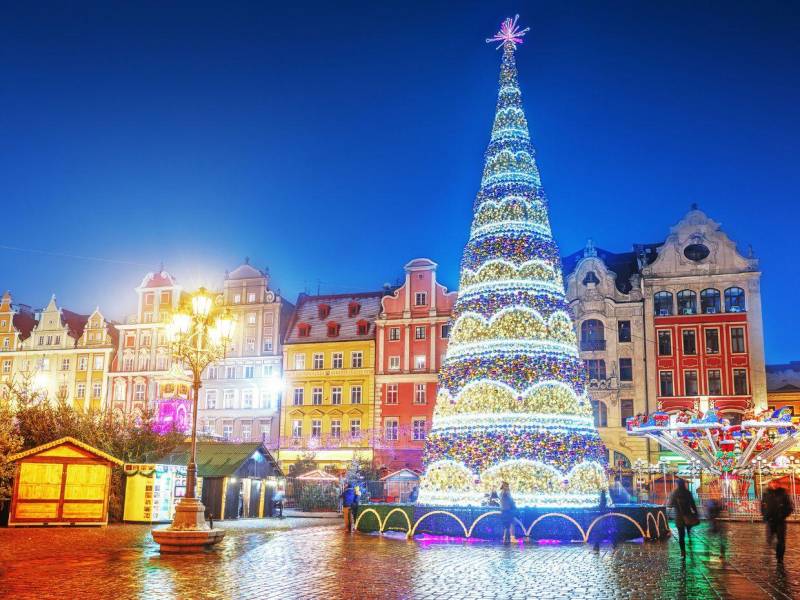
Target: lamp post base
189, 531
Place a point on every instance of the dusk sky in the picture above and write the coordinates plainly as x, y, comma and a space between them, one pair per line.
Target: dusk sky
335, 141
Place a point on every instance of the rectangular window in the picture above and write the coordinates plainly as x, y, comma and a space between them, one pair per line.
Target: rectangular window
418, 429
316, 428
264, 425
81, 390
664, 343
247, 431
6, 366
230, 372
712, 341
690, 383
626, 369
445, 331
420, 394
337, 360
689, 341
212, 372
299, 361
267, 345
355, 428
391, 393
237, 298
714, 382
390, 427
597, 369
267, 370
419, 332
251, 297
336, 395
211, 399
251, 318
624, 330
97, 389
227, 398
316, 396
419, 362
65, 364
737, 340
297, 428
625, 411
318, 360
336, 429
266, 399
49, 340
249, 371
138, 392
247, 398
356, 360
740, 382
298, 396
97, 363
420, 299
665, 381
394, 363
355, 394
250, 344
394, 334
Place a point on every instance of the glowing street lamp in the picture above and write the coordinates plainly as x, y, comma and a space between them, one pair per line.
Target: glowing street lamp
199, 337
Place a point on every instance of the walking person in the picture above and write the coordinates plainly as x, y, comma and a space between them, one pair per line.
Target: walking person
776, 506
716, 526
685, 508
348, 496
356, 500
508, 510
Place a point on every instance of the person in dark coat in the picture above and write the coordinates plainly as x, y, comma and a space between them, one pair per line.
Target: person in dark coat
685, 508
348, 497
508, 510
776, 506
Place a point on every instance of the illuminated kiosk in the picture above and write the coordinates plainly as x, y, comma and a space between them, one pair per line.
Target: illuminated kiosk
512, 403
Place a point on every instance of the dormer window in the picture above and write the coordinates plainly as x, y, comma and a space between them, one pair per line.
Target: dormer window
353, 309
333, 329
303, 330
591, 277
363, 327
324, 310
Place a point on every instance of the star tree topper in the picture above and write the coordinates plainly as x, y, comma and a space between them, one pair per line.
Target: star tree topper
509, 34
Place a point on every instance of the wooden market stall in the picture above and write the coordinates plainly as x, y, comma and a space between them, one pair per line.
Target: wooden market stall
64, 482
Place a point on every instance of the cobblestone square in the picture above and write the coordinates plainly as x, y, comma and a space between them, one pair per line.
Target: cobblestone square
313, 558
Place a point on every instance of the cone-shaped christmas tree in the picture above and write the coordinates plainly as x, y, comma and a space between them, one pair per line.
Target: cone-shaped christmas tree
512, 404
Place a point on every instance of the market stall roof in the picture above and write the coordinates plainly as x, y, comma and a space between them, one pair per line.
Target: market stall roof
219, 459
402, 474
317, 475
62, 442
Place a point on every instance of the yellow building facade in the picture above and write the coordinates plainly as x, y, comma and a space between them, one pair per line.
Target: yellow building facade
328, 408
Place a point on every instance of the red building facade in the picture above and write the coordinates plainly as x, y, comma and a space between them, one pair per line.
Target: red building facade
412, 331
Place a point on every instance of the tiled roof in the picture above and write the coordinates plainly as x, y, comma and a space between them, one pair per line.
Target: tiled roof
307, 312
624, 264
159, 279
74, 322
215, 459
24, 322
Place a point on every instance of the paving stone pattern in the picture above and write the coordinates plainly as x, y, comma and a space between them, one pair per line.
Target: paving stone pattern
311, 558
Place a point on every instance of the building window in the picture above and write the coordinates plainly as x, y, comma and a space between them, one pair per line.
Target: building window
251, 297
249, 371
355, 394
734, 300
626, 369
689, 341
303, 330
267, 345
230, 372
420, 299
6, 366
212, 372
353, 309
247, 431
356, 360
737, 340
297, 428
391, 393
597, 369
709, 301
394, 334
316, 396
267, 370
419, 332
394, 363
333, 329
336, 429
318, 360
80, 391
97, 390
624, 330
714, 382
362, 327
323, 310
600, 413
250, 345
127, 363
420, 394
664, 343
227, 398
266, 399
65, 364
337, 360
625, 411
445, 331
297, 399
687, 302
712, 341
355, 428
590, 278
690, 383
211, 399
264, 426
740, 382
138, 392
418, 429
665, 383
592, 336
237, 298
316, 428
299, 361
336, 395
97, 363
390, 426
662, 304
247, 398
419, 362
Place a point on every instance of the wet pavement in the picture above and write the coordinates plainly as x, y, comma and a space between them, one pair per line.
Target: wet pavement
311, 558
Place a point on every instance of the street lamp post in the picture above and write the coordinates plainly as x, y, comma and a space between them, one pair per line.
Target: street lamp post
199, 337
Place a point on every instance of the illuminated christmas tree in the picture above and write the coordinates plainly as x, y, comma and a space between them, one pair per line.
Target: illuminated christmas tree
512, 404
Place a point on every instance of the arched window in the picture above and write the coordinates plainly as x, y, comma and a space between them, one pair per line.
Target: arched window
323, 310
353, 309
590, 277
600, 412
709, 301
362, 327
592, 335
734, 300
662, 304
687, 302
303, 330
621, 461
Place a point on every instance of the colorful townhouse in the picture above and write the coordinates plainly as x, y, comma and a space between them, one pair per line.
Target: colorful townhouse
329, 371
411, 339
16, 323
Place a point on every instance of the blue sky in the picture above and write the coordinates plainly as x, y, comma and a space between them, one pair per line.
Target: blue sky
333, 142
